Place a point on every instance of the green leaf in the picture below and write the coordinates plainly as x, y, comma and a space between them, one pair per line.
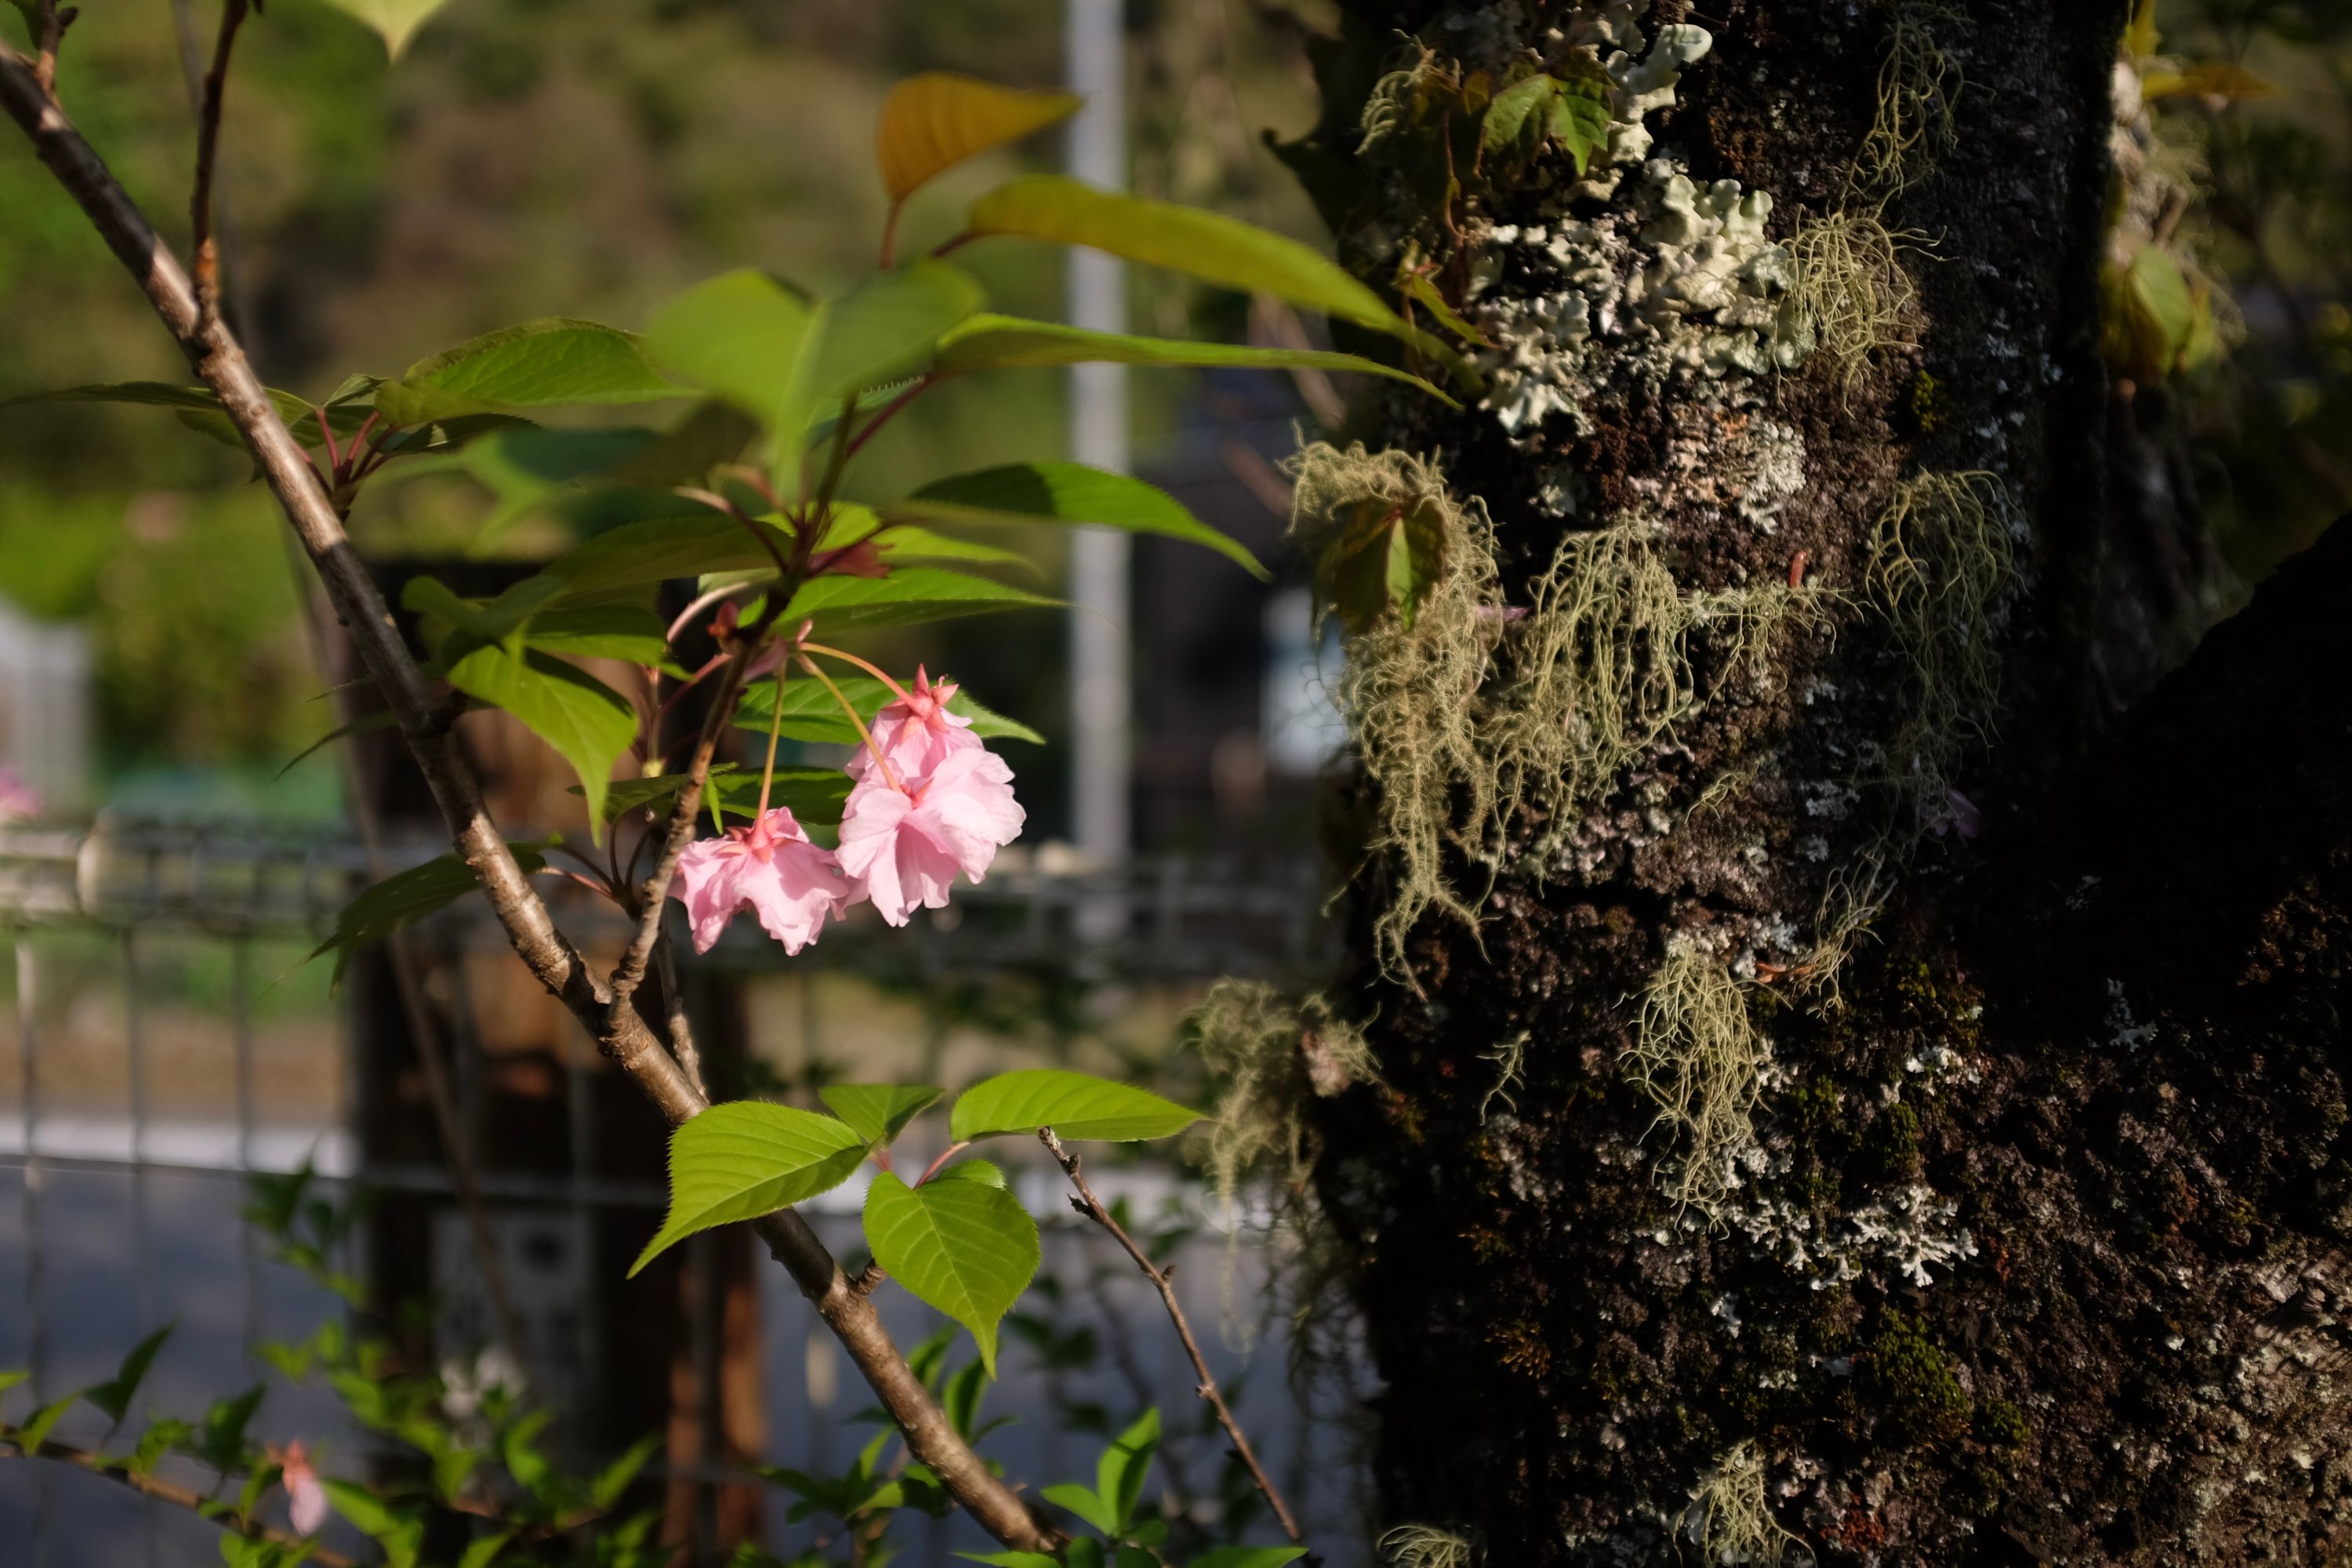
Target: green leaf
1008, 342
877, 1113
909, 595
397, 20
1517, 120
1578, 118
606, 1489
1248, 1557
1068, 493
814, 795
759, 342
1075, 1105
934, 120
982, 1171
221, 1443
1422, 293
694, 543
1388, 555
1012, 1559
523, 468
115, 1394
627, 632
538, 363
1087, 1504
812, 714
11, 1377
38, 1427
747, 1158
200, 408
406, 896
587, 722
1119, 1474
966, 1247
399, 1530
366, 724
484, 1552
1202, 244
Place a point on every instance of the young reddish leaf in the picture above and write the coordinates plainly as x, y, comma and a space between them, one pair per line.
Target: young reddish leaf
935, 121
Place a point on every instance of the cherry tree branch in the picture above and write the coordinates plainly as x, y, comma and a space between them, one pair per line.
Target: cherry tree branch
218, 360
208, 123
119, 1471
1164, 1281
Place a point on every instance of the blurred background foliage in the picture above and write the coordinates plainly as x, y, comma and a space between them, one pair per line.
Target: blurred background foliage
528, 158
523, 158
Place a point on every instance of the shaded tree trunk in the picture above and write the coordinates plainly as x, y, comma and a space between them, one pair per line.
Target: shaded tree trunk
1884, 1111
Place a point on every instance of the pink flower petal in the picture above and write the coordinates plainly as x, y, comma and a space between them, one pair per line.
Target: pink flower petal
768, 866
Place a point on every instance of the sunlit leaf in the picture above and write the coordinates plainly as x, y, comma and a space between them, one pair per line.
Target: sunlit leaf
1009, 342
2206, 79
966, 1247
1068, 493
397, 20
909, 595
934, 120
877, 1111
1077, 1106
747, 1158
587, 722
539, 363
1204, 245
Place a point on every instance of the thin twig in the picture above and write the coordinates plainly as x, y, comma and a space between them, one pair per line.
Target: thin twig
52, 29
119, 1470
200, 205
1164, 1281
219, 361
681, 1031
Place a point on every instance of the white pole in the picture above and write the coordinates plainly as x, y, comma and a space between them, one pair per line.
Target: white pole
1100, 566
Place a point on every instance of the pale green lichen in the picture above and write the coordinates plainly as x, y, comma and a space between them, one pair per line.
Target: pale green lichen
1699, 1055
1426, 1546
1914, 128
1510, 1057
1729, 1519
1274, 1054
1850, 283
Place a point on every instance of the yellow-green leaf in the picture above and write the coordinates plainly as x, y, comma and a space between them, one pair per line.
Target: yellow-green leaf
1075, 1105
965, 1247
747, 1158
935, 121
397, 20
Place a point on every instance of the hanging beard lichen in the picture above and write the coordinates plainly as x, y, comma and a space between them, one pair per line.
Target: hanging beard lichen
1465, 712
1942, 560
1850, 284
1701, 1058
1273, 1054
1729, 1519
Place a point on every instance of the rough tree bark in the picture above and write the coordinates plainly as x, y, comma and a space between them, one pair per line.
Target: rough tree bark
2028, 1236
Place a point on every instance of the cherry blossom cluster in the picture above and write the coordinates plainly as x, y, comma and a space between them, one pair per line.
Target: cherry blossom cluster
927, 800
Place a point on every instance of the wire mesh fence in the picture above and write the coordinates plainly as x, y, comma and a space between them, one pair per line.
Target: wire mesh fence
164, 1041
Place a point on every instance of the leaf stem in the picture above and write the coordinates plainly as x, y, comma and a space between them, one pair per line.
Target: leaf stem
873, 669
863, 732
775, 729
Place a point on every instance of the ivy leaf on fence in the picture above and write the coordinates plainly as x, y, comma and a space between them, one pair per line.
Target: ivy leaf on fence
747, 1158
542, 364
932, 121
114, 1395
1009, 342
812, 714
964, 1246
877, 1113
1068, 493
406, 896
1078, 1106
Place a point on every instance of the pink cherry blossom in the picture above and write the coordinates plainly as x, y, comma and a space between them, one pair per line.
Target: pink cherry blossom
904, 847
768, 866
916, 733
306, 1498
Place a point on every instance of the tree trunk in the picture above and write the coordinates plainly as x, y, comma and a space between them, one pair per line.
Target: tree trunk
1882, 1111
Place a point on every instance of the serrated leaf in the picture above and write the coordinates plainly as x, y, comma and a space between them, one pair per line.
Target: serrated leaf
627, 632
524, 467
406, 896
1518, 120
984, 1172
1078, 1106
396, 20
877, 1113
694, 543
114, 1395
812, 714
909, 595
965, 1248
744, 1159
1068, 493
1008, 342
934, 120
1204, 245
541, 363
740, 335
587, 722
